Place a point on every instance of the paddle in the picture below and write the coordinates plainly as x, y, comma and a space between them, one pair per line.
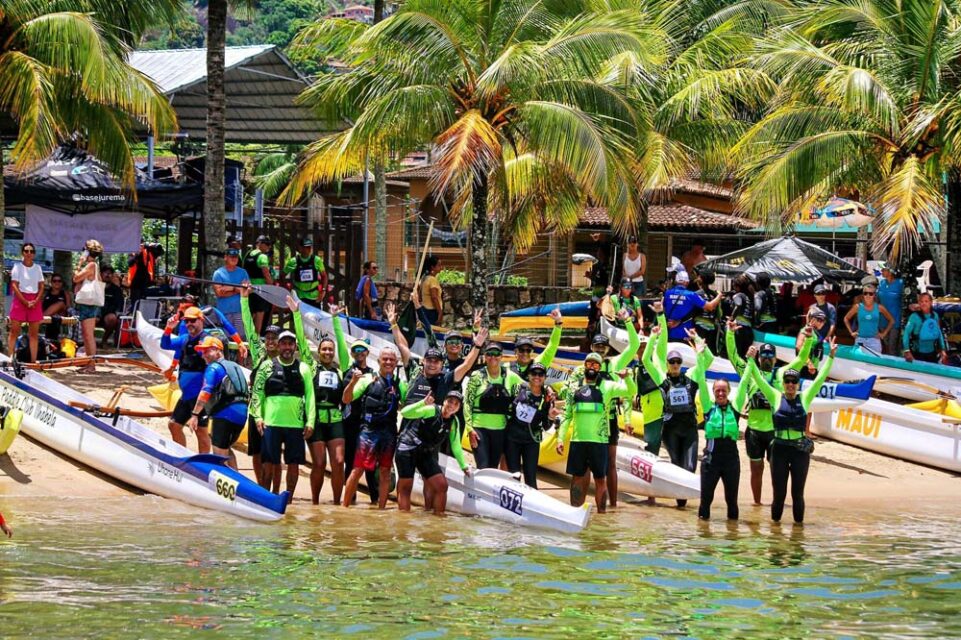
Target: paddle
99, 410
272, 293
407, 318
919, 385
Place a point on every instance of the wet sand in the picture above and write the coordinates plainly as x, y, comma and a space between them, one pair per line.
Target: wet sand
841, 476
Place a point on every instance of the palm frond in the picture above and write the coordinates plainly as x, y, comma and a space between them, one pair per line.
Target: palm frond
910, 203
469, 149
27, 94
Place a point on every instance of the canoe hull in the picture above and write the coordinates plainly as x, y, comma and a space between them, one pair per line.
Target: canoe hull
498, 495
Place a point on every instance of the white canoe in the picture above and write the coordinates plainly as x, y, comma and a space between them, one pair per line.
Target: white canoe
894, 430
639, 472
496, 494
123, 449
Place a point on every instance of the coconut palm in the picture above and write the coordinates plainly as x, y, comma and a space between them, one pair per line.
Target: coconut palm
63, 73
867, 105
507, 95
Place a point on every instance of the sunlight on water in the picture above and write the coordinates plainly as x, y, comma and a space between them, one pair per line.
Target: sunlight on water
87, 568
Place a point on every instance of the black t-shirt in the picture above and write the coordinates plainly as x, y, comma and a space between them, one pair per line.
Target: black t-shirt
49, 298
112, 299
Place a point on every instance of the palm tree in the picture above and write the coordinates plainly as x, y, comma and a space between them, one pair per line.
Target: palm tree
64, 73
506, 93
867, 104
215, 230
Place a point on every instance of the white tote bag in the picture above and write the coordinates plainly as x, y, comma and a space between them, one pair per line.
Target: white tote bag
91, 291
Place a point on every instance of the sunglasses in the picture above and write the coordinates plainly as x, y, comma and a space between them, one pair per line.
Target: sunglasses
493, 354
56, 281
674, 361
193, 319
538, 374
454, 342
870, 293
358, 350
791, 380
29, 251
525, 350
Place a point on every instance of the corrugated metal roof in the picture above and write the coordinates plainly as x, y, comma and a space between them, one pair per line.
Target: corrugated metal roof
261, 87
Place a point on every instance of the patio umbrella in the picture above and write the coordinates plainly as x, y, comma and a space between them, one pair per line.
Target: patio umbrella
786, 259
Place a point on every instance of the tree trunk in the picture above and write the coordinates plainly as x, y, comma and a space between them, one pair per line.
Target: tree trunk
378, 11
478, 247
215, 241
4, 327
952, 279
380, 213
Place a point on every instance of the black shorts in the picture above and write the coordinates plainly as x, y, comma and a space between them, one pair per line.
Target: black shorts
588, 455
224, 433
615, 434
421, 459
255, 441
292, 441
184, 409
757, 443
325, 432
258, 304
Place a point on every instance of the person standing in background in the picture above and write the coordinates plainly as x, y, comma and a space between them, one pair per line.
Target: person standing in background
869, 313
26, 284
307, 273
113, 304
141, 270
634, 267
891, 297
693, 256
228, 297
599, 274
431, 292
830, 312
366, 293
88, 269
257, 266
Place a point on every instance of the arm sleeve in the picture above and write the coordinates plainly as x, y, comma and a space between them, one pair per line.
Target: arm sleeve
630, 352
769, 392
702, 391
250, 331
647, 362
909, 329
808, 395
418, 410
547, 355
290, 265
257, 397
802, 357
343, 352
210, 379
661, 345
473, 382
943, 344
303, 347
566, 420
173, 343
229, 329
736, 360
360, 387
456, 448
310, 405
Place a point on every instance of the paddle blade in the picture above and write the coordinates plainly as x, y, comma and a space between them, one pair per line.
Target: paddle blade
407, 321
272, 293
166, 394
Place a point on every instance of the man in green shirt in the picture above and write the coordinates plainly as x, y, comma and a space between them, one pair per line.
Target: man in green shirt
588, 411
307, 273
490, 392
760, 426
257, 266
262, 351
283, 403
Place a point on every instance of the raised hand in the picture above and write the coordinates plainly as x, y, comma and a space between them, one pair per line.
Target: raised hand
390, 313
245, 289
732, 325
555, 315
430, 398
480, 338
834, 346
658, 307
655, 330
478, 317
173, 320
808, 329
293, 304
334, 309
752, 351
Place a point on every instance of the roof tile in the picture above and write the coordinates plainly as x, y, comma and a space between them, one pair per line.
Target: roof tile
673, 216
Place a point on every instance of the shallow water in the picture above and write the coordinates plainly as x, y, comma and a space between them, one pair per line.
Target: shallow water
149, 568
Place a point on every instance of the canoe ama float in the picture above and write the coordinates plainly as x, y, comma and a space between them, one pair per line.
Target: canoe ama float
499, 495
132, 453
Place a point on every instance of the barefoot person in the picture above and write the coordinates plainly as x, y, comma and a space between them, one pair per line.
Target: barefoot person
88, 270
792, 446
5, 527
487, 401
532, 413
428, 426
381, 395
223, 397
587, 413
190, 376
26, 284
262, 351
283, 403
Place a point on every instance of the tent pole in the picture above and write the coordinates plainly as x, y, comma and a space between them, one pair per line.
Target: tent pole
150, 151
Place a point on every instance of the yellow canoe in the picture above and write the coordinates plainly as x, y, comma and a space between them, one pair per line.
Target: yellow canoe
9, 428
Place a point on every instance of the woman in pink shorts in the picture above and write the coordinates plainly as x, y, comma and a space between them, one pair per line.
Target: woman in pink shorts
26, 283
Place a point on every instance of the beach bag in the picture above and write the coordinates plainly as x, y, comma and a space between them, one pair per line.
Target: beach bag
92, 291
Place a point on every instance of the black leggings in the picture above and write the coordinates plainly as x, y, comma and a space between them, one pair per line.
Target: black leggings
721, 463
522, 456
787, 460
490, 447
681, 444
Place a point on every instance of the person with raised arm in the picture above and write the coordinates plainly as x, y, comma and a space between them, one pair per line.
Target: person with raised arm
262, 351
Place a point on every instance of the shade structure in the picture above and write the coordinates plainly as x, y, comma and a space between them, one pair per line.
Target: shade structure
787, 259
74, 182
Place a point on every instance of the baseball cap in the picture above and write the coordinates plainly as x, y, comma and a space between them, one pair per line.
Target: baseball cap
454, 338
287, 334
274, 329
232, 251
192, 313
359, 345
884, 265
818, 313
626, 283
537, 367
523, 341
673, 354
821, 288
454, 393
791, 373
682, 278
264, 240
767, 350
594, 357
492, 349
600, 338
210, 342
434, 353
307, 241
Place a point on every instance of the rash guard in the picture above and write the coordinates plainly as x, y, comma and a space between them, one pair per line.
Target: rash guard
427, 429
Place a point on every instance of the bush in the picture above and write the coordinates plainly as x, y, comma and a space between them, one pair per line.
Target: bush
451, 276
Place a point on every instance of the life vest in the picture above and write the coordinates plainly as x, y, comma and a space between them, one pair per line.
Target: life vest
379, 403
495, 399
427, 432
645, 383
765, 307
328, 391
757, 399
233, 388
721, 422
190, 358
285, 380
529, 415
306, 274
790, 419
250, 265
745, 317
707, 319
353, 409
149, 263
589, 399
422, 386
679, 394
929, 331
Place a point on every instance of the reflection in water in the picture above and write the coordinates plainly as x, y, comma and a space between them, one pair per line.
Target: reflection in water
175, 572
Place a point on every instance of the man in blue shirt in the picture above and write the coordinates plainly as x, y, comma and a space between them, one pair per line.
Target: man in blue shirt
682, 304
190, 377
890, 295
228, 298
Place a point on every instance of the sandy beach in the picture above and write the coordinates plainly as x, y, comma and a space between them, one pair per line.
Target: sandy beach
841, 476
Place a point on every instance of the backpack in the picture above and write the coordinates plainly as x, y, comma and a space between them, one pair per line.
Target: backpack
232, 388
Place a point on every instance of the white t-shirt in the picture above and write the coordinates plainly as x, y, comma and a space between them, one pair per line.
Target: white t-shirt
632, 266
28, 278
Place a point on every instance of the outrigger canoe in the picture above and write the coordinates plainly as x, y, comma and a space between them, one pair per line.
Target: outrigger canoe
499, 495
917, 433
896, 376
123, 449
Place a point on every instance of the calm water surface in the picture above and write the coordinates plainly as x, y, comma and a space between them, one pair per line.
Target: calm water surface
149, 568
